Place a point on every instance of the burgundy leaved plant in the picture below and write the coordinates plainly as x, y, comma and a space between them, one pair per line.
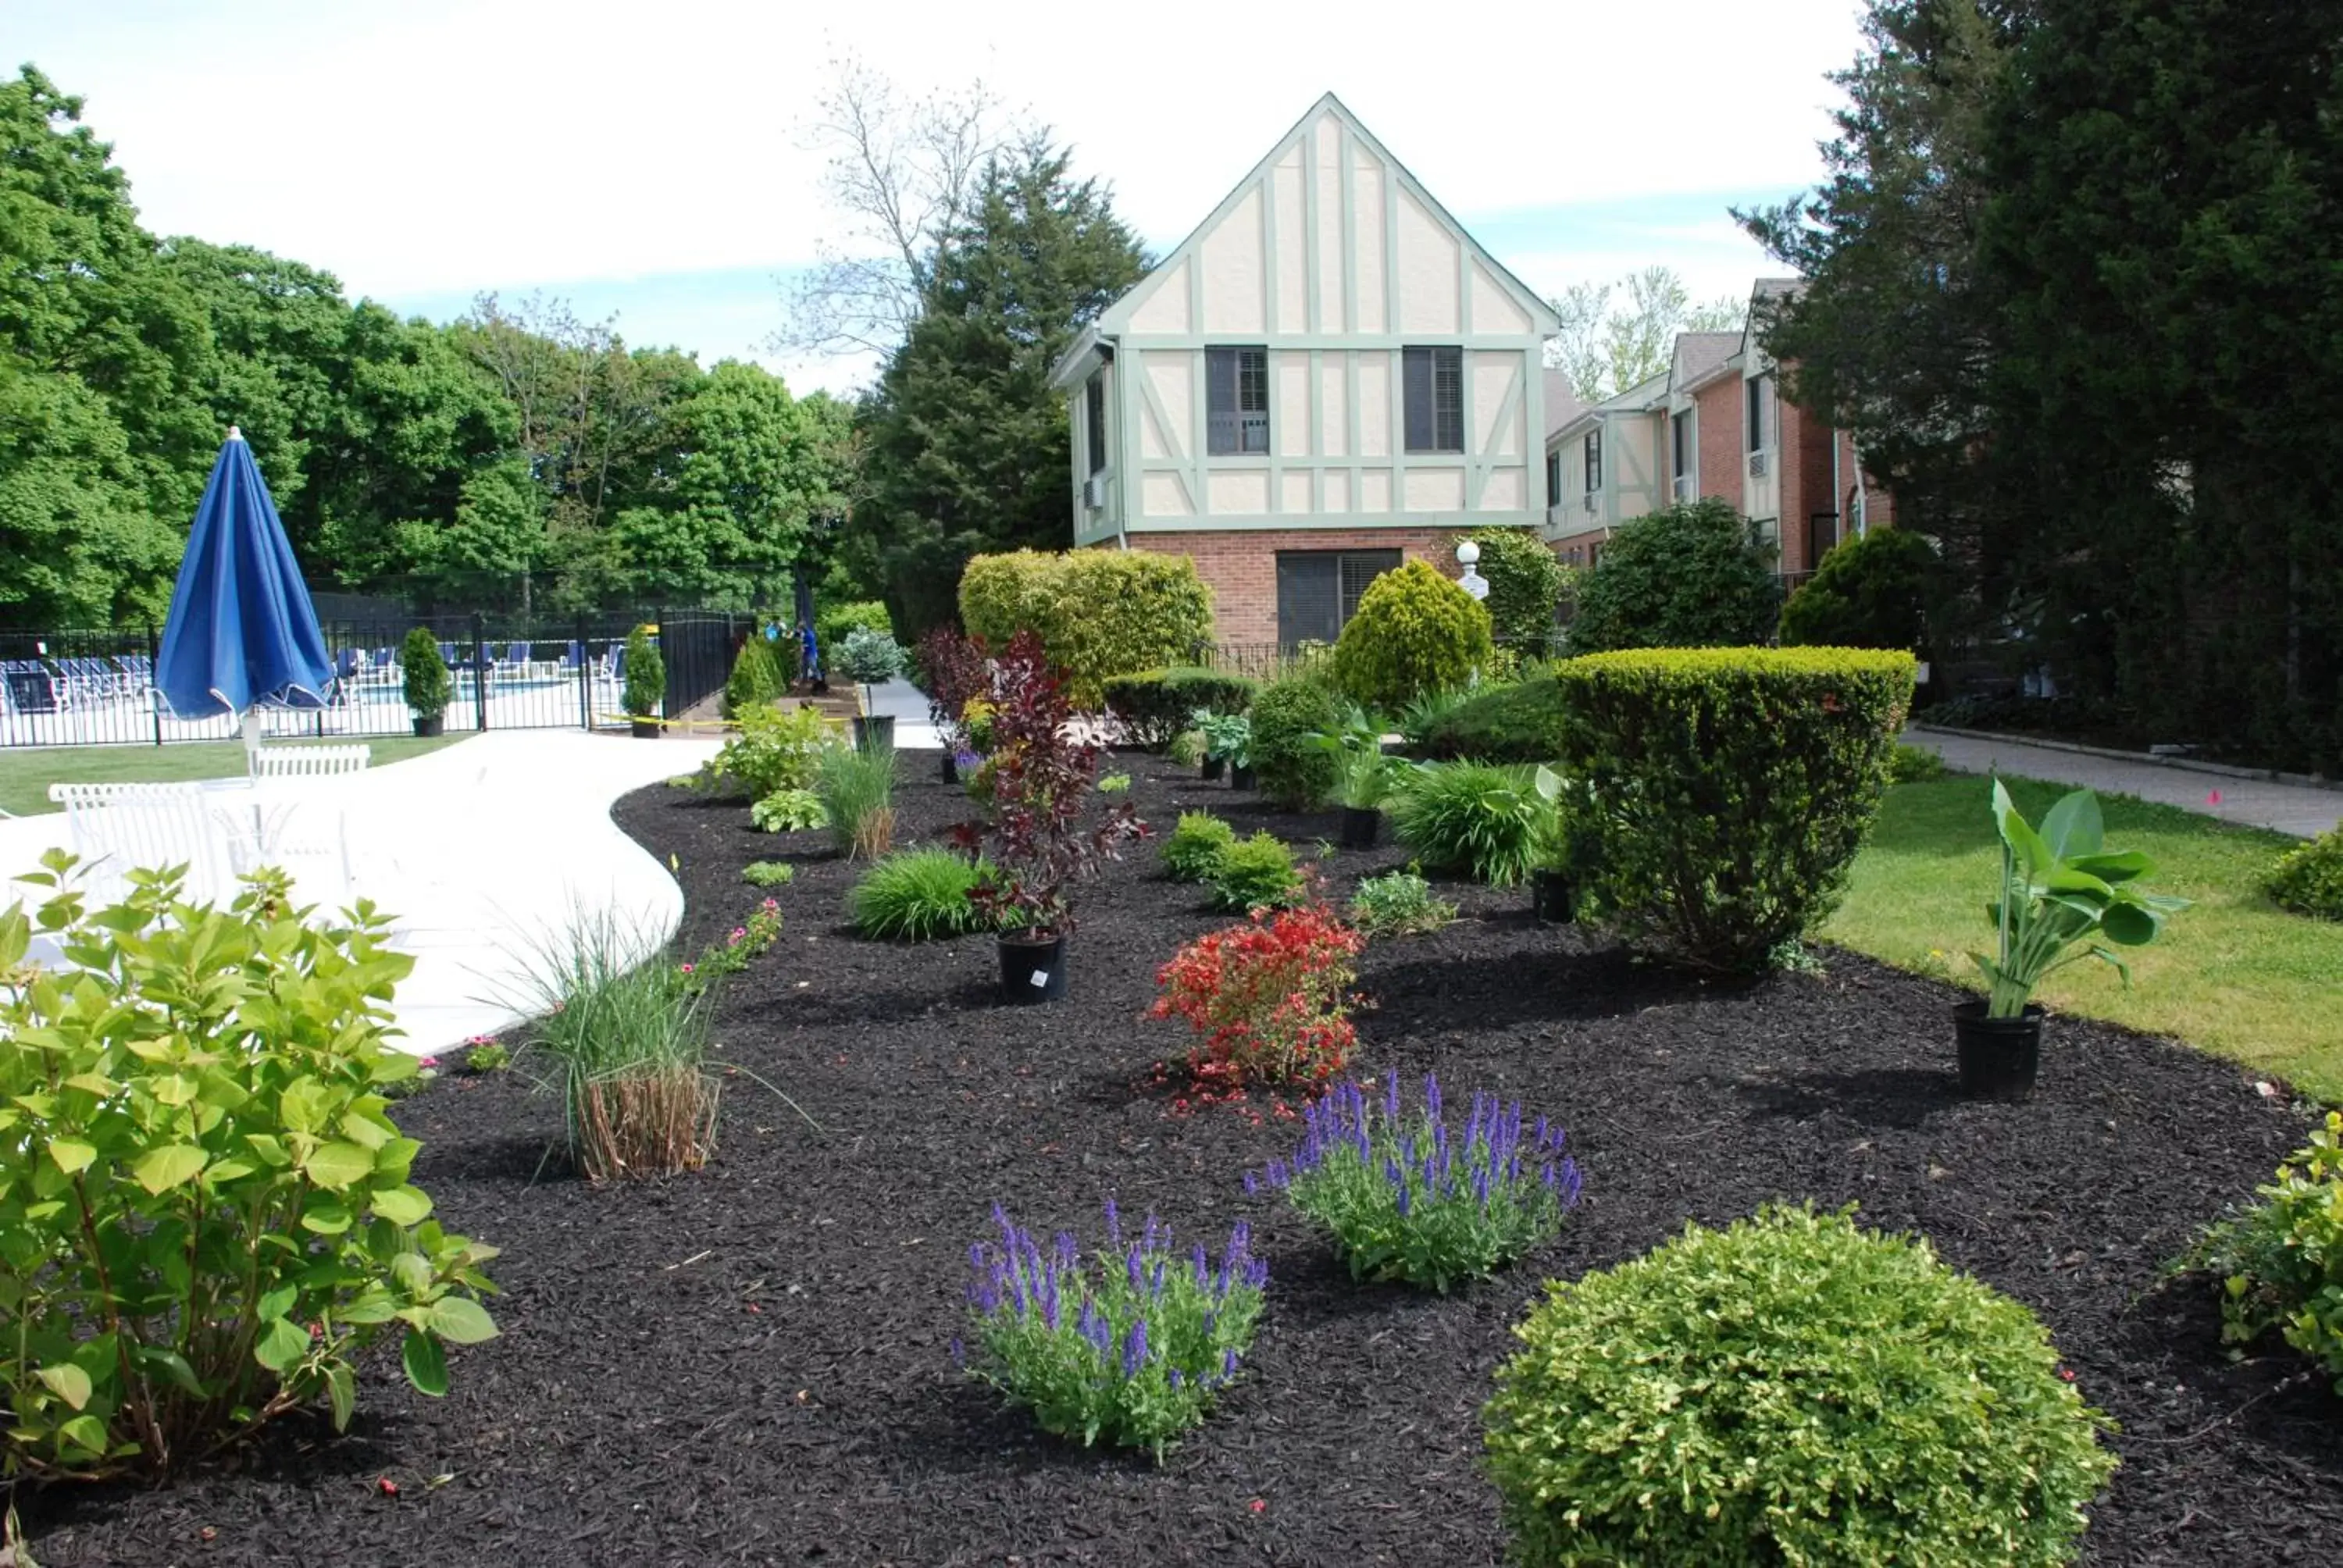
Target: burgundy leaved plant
956, 669
1039, 843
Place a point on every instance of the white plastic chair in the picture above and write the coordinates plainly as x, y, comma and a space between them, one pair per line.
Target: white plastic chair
116, 827
283, 762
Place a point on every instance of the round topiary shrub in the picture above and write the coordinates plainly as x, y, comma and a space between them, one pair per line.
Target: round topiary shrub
2310, 880
1289, 765
1688, 576
1415, 631
1869, 592
1792, 1389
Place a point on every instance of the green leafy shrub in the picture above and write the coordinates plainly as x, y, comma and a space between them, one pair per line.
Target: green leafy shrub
1790, 1389
1155, 705
486, 1058
1518, 723
1289, 764
1114, 784
1227, 736
1869, 592
207, 1085
2309, 880
769, 873
1397, 904
1415, 631
833, 622
1731, 787
788, 812
2281, 1263
1686, 577
1254, 873
773, 751
756, 679
1913, 765
1195, 846
646, 684
424, 675
1491, 823
1527, 581
856, 785
1098, 613
917, 895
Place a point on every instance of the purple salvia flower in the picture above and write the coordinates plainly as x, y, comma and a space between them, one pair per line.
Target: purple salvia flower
1173, 1377
1070, 1251
1228, 1363
1251, 1183
1134, 1349
1481, 1188
1431, 1095
1391, 1097
1402, 1199
1113, 1225
959, 1352
1204, 1262
1135, 1268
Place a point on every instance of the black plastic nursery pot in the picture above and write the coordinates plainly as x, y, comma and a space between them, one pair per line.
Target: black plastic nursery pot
426, 727
1213, 767
877, 730
1554, 897
1241, 776
950, 768
1032, 970
1362, 826
646, 728
1999, 1056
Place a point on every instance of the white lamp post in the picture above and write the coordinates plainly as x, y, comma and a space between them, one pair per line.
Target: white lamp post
1472, 582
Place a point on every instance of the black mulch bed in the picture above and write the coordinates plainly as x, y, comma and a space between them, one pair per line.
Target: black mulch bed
751, 1364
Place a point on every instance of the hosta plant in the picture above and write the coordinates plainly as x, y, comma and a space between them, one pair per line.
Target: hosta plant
1406, 1197
206, 1217
788, 812
1130, 1349
1268, 1000
1227, 736
1398, 903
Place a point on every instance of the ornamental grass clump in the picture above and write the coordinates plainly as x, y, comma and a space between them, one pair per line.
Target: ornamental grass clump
856, 786
1790, 1389
205, 1211
1130, 1349
917, 895
1494, 824
1269, 1000
1405, 1198
1255, 873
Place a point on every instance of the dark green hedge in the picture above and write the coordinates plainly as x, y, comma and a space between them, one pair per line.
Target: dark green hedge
1731, 787
1155, 705
1518, 723
1290, 766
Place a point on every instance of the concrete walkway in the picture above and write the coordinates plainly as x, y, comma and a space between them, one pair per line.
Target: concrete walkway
482, 852
2302, 811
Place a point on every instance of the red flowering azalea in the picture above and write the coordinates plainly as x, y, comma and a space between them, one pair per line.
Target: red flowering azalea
1268, 1000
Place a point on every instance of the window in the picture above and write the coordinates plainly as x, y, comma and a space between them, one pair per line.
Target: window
1236, 406
1553, 479
1593, 453
1094, 420
1318, 590
1758, 386
1433, 381
1681, 454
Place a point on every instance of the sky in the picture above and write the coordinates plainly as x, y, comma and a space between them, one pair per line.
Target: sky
657, 161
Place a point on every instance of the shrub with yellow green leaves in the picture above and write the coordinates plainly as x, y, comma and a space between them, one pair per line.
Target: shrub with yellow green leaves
1097, 612
205, 1212
1415, 631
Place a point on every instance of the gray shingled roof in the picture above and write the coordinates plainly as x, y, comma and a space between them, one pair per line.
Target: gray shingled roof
1700, 353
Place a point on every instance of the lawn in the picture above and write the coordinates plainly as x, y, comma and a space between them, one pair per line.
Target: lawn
2235, 975
26, 775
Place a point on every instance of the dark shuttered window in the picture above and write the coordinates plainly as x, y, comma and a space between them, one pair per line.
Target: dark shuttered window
1236, 407
1094, 420
1433, 382
1318, 590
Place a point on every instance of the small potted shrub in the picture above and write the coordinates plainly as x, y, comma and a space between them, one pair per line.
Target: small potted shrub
1041, 768
428, 685
2062, 889
1228, 743
955, 672
1363, 776
646, 683
1560, 849
869, 657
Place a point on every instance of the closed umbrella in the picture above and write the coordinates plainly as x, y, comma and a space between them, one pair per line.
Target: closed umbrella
242, 633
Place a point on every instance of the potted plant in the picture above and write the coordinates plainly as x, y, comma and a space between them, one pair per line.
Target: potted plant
1557, 844
428, 685
867, 657
1041, 768
646, 684
1362, 775
2061, 891
955, 670
1228, 741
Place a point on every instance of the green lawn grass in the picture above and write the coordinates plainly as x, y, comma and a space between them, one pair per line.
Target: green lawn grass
26, 775
2235, 974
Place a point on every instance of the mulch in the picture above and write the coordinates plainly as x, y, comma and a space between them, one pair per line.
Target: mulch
751, 1364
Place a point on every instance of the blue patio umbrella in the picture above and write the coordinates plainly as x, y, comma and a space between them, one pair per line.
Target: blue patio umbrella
242, 633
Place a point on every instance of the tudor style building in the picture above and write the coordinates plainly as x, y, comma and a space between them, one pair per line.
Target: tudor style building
1327, 377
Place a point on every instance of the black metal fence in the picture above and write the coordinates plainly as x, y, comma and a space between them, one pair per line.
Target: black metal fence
96, 687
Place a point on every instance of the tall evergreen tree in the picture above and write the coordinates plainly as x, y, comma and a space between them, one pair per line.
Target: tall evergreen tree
967, 447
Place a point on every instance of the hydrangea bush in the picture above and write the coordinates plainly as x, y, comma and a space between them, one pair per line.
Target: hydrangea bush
1130, 1349
1405, 1198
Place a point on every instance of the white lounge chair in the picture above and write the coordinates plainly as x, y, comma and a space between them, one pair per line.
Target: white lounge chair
116, 827
278, 762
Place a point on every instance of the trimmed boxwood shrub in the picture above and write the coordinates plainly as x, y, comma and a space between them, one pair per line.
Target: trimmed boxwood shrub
646, 684
1155, 705
832, 622
1415, 631
1869, 592
1517, 723
756, 679
428, 686
1289, 765
1687, 576
1253, 873
1194, 846
1097, 612
1731, 787
2310, 880
1527, 581
1792, 1389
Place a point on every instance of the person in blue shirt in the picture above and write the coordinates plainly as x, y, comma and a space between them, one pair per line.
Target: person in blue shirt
809, 657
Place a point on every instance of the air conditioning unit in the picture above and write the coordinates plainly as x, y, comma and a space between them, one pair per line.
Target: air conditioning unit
1094, 492
1756, 464
1586, 502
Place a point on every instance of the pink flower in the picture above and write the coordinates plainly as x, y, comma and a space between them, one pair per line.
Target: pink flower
687, 969
428, 1061
2213, 799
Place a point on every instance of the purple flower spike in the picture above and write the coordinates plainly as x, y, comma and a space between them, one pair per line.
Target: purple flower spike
1403, 1199
959, 1352
1113, 1225
1136, 1270
1228, 1363
1251, 1183
1431, 1095
1134, 1349
1391, 1097
1174, 1377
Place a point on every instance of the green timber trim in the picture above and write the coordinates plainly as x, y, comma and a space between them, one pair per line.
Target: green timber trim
1304, 522
1487, 343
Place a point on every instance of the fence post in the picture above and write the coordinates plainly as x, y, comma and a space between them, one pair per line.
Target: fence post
154, 695
669, 659
479, 673
584, 678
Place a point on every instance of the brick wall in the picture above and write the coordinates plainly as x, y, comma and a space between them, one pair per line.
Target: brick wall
1717, 424
1240, 565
